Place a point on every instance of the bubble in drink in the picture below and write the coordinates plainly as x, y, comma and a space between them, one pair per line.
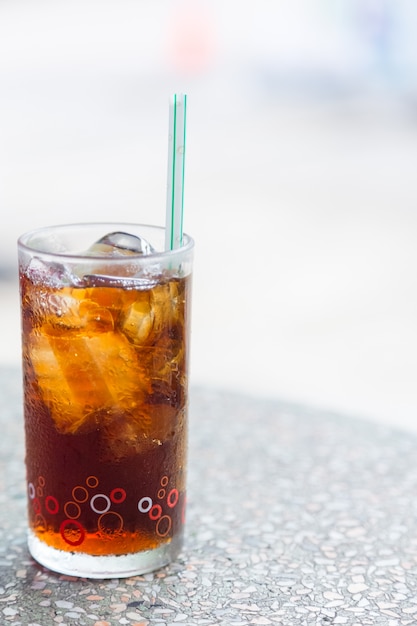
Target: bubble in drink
105, 367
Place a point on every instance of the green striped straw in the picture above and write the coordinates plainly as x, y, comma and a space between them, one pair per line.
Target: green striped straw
176, 160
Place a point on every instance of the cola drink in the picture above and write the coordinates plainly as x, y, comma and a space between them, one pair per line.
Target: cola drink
105, 368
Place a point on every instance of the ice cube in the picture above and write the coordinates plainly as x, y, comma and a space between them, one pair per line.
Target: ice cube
127, 282
138, 320
120, 244
79, 316
144, 428
84, 380
154, 313
50, 274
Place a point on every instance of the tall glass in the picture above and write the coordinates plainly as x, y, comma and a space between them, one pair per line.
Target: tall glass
105, 336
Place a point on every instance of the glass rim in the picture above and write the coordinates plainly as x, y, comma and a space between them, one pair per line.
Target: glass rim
23, 242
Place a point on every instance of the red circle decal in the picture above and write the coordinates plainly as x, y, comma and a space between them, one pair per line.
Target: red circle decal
79, 530
172, 498
118, 495
155, 512
51, 505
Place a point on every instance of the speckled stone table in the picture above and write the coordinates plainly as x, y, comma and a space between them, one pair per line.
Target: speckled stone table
294, 517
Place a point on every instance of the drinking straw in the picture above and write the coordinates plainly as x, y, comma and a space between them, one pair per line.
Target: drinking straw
176, 159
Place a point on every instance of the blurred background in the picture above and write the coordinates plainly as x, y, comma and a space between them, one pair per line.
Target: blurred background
301, 185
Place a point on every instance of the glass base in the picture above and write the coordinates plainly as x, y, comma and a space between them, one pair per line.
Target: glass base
113, 566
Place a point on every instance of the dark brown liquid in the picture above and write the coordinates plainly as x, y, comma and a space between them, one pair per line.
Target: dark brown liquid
105, 372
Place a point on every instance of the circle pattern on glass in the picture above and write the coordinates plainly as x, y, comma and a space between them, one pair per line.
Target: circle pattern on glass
109, 522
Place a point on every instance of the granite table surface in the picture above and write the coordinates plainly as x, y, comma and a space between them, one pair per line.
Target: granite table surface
295, 516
